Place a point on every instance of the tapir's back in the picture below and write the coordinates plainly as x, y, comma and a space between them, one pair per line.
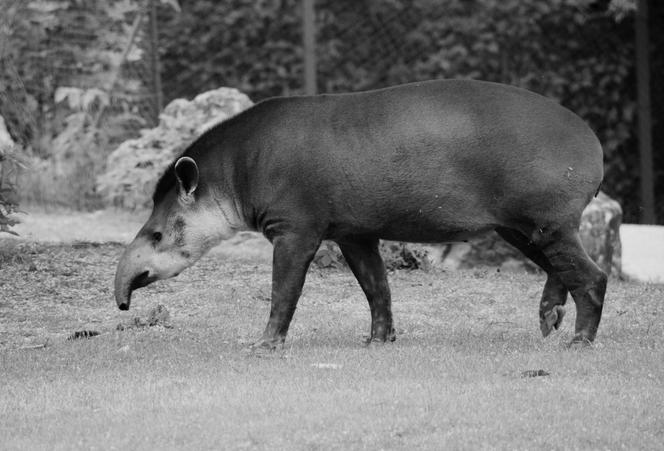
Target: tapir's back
414, 161
450, 122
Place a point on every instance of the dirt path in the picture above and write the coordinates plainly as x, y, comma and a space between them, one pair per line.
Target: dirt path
70, 226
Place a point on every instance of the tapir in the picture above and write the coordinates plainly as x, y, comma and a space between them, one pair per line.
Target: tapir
428, 162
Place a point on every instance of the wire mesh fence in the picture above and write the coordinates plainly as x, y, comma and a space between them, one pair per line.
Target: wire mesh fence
78, 78
379, 43
61, 58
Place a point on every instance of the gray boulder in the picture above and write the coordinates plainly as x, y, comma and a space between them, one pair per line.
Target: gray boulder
6, 140
600, 233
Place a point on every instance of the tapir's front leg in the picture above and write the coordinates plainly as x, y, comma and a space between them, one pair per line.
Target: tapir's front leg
291, 258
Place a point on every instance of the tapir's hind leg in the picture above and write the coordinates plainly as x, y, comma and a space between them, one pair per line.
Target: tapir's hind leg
554, 295
551, 311
582, 277
369, 270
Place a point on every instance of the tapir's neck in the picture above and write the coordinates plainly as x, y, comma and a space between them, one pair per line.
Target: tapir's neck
231, 213
233, 162
219, 194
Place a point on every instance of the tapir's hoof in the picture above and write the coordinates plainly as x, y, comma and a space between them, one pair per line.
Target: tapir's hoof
377, 341
580, 341
263, 346
381, 337
552, 320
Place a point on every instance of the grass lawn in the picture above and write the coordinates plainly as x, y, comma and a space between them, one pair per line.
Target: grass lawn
452, 380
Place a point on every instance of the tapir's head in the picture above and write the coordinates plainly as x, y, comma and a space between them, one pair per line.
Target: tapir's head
188, 218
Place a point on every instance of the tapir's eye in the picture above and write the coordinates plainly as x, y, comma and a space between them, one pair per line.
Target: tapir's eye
156, 237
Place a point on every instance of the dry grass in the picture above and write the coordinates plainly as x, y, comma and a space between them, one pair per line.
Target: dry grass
452, 380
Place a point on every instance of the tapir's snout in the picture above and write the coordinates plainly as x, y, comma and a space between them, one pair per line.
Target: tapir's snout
133, 272
123, 293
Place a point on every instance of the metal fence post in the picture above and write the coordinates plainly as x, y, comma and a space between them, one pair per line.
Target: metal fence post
644, 115
309, 42
154, 62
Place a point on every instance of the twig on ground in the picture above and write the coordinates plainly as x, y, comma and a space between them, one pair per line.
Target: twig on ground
40, 346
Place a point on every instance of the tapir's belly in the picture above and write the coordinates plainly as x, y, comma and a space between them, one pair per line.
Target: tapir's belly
415, 215
428, 232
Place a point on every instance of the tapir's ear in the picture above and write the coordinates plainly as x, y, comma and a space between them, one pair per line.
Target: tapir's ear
186, 172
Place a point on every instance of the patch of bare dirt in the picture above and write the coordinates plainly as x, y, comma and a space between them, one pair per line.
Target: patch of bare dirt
64, 226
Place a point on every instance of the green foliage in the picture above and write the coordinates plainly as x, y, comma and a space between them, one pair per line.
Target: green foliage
66, 175
63, 93
48, 46
250, 45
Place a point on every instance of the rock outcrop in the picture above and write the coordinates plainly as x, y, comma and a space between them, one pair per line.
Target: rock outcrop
600, 233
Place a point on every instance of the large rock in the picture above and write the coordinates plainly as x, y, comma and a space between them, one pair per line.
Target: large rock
6, 140
600, 233
134, 167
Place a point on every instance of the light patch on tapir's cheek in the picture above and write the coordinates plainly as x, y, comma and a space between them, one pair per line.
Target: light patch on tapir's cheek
190, 234
169, 263
193, 236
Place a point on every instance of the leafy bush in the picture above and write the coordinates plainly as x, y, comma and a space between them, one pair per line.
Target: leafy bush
254, 46
66, 174
10, 162
63, 93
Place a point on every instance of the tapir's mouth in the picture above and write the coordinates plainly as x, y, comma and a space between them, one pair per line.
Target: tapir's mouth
123, 292
141, 280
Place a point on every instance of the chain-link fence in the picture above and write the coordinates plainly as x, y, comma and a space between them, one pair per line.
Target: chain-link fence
61, 58
380, 44
78, 78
